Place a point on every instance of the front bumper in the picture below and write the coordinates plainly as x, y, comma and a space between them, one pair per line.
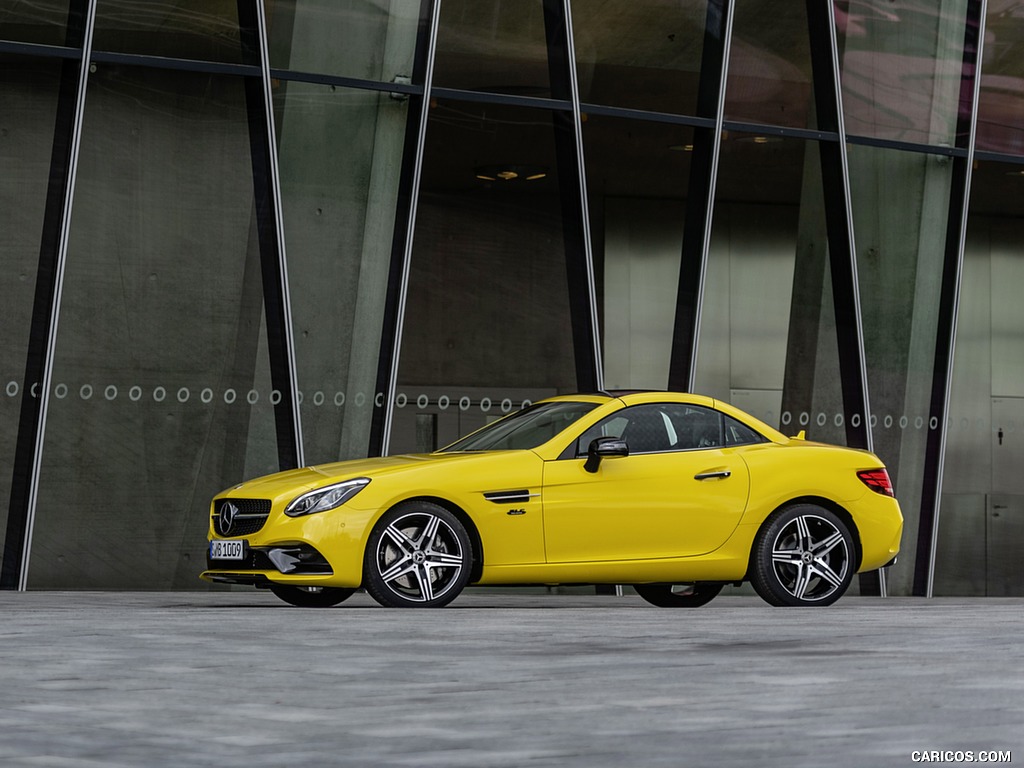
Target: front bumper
323, 549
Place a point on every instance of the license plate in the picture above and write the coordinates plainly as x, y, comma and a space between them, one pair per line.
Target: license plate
227, 549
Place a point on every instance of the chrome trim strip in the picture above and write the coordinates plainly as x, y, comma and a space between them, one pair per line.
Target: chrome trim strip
964, 216
584, 206
508, 497
275, 188
848, 197
716, 149
62, 258
410, 231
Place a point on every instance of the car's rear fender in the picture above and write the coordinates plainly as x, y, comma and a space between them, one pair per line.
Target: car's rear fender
837, 509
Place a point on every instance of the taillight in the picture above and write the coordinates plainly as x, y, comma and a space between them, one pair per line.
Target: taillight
877, 480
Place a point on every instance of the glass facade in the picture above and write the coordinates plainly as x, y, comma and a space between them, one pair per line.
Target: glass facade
244, 236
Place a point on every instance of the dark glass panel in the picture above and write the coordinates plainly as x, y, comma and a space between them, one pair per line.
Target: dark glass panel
768, 338
637, 176
186, 29
161, 390
1001, 101
982, 508
35, 21
901, 67
340, 154
349, 38
494, 46
487, 323
770, 64
640, 55
900, 211
29, 89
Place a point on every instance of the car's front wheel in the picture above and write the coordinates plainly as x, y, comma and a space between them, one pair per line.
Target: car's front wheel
419, 556
804, 555
312, 597
678, 595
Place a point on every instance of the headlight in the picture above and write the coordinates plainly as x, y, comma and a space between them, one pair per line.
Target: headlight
323, 499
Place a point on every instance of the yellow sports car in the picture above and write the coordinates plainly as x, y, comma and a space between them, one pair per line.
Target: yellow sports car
675, 494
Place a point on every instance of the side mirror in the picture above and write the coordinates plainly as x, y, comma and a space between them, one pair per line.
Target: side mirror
601, 447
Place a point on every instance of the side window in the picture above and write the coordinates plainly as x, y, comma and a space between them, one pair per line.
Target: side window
740, 434
660, 427
702, 427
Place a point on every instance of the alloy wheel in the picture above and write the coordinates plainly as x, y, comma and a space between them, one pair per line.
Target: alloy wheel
804, 555
420, 557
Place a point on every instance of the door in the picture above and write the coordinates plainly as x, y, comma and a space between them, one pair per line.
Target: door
679, 492
1004, 524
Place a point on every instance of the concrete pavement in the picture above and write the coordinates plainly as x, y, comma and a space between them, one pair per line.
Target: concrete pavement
500, 679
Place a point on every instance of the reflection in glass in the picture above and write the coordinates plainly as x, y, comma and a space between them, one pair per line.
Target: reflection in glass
340, 154
28, 107
487, 322
770, 65
494, 46
900, 210
982, 507
901, 67
206, 30
349, 38
1001, 101
637, 176
773, 356
161, 379
35, 21
640, 55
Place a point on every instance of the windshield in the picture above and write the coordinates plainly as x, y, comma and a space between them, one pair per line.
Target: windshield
524, 429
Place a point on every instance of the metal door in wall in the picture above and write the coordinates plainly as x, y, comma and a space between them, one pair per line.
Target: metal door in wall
1004, 528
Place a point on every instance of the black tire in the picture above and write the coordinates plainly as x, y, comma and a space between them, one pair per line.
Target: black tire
803, 555
419, 555
678, 595
312, 597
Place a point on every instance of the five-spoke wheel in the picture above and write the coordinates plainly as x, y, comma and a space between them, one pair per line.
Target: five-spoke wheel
804, 555
678, 595
312, 597
418, 555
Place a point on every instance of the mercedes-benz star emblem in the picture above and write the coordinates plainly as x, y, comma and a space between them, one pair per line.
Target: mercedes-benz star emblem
227, 517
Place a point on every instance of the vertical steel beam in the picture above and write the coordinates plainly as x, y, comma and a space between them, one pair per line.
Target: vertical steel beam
572, 181
405, 230
949, 300
53, 254
835, 172
270, 227
700, 199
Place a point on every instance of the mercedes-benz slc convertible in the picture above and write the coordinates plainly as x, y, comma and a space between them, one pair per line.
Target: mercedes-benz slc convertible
675, 494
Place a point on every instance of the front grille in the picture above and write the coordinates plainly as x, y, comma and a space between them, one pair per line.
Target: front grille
243, 517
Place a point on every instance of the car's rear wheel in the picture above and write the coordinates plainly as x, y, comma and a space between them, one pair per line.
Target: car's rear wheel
804, 555
419, 556
678, 595
312, 597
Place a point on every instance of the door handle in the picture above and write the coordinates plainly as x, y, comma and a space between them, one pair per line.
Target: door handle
721, 474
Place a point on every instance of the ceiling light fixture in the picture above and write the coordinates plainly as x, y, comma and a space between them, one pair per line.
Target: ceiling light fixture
510, 172
759, 139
